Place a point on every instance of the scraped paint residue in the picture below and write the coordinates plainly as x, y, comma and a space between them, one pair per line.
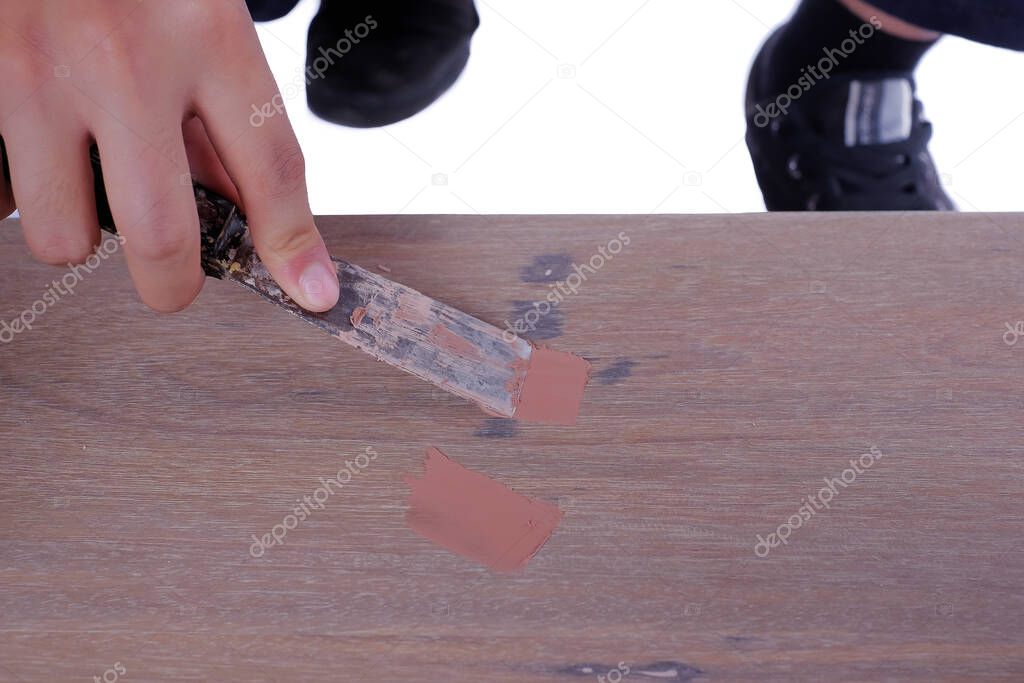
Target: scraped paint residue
551, 387
357, 316
444, 338
477, 517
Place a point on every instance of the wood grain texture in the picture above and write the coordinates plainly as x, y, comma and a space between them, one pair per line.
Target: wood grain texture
739, 361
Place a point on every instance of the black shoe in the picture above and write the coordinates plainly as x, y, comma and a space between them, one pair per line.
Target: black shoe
371, 64
268, 10
852, 142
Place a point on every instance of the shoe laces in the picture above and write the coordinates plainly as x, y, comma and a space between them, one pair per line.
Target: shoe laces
857, 177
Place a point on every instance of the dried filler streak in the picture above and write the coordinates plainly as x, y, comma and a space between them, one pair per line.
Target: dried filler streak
477, 517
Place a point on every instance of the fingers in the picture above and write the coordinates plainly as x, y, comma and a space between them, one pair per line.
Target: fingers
52, 180
151, 199
267, 166
206, 166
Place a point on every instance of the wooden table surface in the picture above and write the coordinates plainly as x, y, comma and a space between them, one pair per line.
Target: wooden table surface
739, 361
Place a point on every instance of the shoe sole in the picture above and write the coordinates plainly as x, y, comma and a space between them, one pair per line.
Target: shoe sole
347, 110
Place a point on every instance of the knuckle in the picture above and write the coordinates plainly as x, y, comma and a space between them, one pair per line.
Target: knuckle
53, 247
204, 18
95, 28
20, 69
285, 174
49, 193
155, 240
164, 153
288, 243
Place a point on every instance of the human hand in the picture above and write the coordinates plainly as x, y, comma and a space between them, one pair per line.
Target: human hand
165, 90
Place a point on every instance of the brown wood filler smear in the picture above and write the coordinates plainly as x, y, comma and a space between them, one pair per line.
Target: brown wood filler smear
477, 517
552, 387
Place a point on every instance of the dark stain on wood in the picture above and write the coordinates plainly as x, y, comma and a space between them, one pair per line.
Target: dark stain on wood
616, 372
497, 428
547, 268
527, 316
312, 396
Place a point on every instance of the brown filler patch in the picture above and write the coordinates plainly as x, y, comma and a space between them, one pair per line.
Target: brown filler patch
477, 517
552, 387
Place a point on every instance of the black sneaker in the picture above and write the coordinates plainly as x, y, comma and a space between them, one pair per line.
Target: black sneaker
371, 64
269, 10
852, 142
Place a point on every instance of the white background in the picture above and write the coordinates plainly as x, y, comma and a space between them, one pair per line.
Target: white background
652, 119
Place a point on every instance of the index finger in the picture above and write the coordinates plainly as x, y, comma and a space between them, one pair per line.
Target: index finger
266, 164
